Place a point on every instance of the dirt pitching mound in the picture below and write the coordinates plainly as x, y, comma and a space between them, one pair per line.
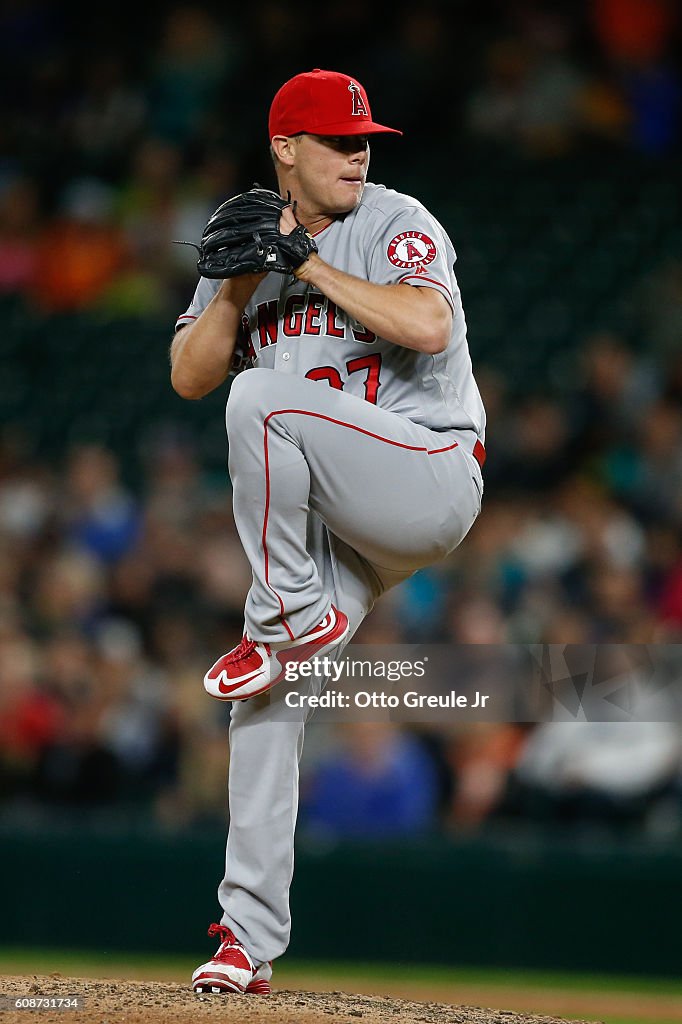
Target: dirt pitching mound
135, 1002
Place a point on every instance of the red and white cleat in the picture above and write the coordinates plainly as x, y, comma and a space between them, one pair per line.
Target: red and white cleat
260, 986
231, 969
254, 666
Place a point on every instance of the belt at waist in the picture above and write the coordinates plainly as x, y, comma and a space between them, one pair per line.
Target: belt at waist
479, 453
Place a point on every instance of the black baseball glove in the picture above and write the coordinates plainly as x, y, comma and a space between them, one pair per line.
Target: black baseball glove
243, 237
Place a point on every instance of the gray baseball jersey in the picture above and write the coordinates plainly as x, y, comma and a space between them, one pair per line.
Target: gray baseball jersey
344, 484
292, 328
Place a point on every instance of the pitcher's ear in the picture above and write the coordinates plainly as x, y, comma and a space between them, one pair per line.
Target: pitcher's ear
284, 149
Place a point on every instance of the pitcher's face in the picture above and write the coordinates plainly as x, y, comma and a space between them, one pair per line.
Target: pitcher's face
328, 172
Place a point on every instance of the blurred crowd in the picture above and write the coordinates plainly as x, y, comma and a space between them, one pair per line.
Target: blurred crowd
122, 134
113, 602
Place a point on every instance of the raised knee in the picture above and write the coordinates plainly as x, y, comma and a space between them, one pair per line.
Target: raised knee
253, 394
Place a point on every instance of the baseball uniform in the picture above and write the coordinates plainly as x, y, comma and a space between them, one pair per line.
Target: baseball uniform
354, 462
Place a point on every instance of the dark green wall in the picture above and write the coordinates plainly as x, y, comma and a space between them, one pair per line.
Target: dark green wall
502, 902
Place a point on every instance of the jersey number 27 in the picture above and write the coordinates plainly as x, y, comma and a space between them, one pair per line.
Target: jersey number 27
372, 364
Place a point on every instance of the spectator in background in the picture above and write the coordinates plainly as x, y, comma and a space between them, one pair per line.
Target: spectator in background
159, 203
476, 619
67, 590
134, 702
30, 719
222, 568
102, 517
211, 183
634, 30
534, 450
67, 666
107, 117
617, 601
77, 768
653, 485
19, 222
603, 407
654, 93
197, 795
495, 110
611, 773
636, 36
481, 759
193, 58
595, 528
420, 606
27, 493
670, 599
175, 488
147, 209
533, 95
80, 253
380, 783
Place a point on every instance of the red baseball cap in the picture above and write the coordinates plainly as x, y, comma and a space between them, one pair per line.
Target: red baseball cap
323, 103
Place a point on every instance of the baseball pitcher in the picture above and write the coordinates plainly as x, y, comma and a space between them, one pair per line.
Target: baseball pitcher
355, 432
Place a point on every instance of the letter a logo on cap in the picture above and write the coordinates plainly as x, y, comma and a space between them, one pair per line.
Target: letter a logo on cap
359, 108
316, 102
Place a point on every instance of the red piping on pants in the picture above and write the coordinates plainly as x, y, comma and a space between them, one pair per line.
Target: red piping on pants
479, 454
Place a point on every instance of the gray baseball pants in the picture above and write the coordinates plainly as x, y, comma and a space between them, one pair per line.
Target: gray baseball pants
336, 500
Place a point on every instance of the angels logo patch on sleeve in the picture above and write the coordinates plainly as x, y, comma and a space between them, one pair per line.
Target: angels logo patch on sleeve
411, 249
